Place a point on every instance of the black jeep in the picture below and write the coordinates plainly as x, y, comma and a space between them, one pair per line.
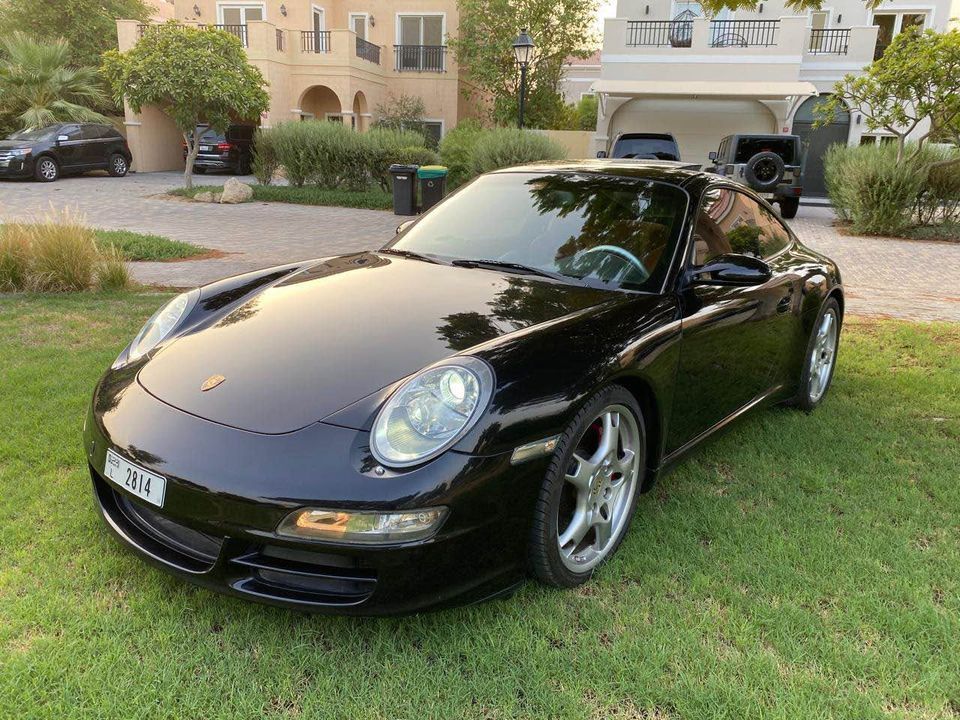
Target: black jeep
770, 164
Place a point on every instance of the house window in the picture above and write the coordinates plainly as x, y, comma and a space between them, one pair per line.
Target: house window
420, 43
316, 14
239, 14
358, 23
433, 129
892, 24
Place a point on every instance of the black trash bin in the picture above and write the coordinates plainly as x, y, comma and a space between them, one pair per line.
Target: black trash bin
433, 183
404, 189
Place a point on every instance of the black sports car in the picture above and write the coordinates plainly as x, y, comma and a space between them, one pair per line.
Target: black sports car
484, 398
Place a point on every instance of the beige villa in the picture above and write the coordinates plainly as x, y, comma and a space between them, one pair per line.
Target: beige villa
323, 59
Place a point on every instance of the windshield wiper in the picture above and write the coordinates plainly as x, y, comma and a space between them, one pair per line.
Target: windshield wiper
413, 255
517, 267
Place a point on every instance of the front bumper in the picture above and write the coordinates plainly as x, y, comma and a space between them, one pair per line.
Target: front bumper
16, 166
228, 489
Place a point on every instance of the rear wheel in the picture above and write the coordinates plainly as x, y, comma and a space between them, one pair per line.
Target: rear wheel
118, 165
589, 495
199, 170
789, 207
821, 357
46, 169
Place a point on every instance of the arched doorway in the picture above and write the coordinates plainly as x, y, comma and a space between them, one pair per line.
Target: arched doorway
815, 142
320, 103
359, 112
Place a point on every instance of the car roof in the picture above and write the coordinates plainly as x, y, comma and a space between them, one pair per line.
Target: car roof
658, 136
676, 172
764, 136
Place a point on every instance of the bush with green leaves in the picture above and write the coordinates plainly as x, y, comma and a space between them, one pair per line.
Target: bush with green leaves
939, 201
387, 146
266, 162
456, 151
503, 147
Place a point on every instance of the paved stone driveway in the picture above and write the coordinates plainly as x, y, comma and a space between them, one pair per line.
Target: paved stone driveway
918, 280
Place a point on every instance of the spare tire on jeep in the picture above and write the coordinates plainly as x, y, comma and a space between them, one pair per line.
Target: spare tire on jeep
764, 171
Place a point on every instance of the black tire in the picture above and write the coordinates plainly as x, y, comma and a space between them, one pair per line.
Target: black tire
118, 166
543, 552
764, 171
46, 169
788, 207
807, 400
199, 170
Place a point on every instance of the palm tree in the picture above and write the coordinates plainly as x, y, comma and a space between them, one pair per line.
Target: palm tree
38, 87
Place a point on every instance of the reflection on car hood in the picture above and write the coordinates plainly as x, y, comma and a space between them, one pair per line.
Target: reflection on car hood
342, 329
14, 144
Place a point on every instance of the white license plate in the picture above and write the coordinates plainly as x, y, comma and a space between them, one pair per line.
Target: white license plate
206, 148
142, 483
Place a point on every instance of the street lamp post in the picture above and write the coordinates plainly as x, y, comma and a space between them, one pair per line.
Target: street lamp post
523, 49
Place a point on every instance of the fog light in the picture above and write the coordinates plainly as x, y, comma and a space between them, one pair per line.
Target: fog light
363, 527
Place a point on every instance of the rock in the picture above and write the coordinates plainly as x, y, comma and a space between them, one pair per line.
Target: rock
203, 197
235, 191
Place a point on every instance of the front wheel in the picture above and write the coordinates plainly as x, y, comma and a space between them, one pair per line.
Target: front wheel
821, 357
46, 170
789, 207
118, 165
590, 492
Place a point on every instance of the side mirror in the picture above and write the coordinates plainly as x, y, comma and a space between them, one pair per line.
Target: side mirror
62, 138
404, 225
601, 154
732, 270
713, 155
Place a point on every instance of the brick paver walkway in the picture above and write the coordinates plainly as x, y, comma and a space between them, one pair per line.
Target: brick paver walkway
916, 280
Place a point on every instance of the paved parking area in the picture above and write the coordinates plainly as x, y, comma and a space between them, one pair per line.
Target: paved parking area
916, 280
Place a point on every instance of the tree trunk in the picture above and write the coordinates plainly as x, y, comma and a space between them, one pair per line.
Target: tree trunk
193, 149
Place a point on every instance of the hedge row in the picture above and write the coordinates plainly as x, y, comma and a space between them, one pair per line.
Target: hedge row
469, 150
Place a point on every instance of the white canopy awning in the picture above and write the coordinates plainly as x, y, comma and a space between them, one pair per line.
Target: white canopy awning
704, 88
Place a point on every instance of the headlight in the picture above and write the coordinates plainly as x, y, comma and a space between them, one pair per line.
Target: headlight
430, 412
164, 321
20, 151
363, 527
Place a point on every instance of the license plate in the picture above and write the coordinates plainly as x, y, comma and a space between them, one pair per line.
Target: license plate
142, 483
5, 162
206, 148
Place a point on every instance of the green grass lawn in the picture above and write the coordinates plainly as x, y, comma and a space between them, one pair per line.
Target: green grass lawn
372, 199
141, 246
797, 567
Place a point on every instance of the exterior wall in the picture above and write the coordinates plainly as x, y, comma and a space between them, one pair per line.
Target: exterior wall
578, 78
298, 77
577, 143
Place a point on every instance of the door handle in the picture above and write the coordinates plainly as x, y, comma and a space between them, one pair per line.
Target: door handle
784, 304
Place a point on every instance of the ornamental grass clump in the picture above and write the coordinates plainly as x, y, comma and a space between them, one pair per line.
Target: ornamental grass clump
503, 147
57, 254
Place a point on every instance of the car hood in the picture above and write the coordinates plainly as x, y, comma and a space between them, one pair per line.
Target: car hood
342, 329
14, 145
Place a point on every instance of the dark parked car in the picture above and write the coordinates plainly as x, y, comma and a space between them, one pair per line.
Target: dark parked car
769, 164
231, 151
486, 396
644, 146
64, 149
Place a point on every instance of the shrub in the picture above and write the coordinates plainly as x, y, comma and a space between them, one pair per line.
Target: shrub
265, 160
324, 153
387, 146
111, 271
456, 151
871, 189
290, 142
504, 147
939, 201
14, 257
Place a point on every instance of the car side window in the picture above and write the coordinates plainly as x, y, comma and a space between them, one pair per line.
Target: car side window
71, 131
729, 222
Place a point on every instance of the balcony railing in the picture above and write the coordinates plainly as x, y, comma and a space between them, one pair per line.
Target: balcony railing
315, 41
420, 58
659, 33
833, 41
368, 51
239, 30
281, 41
743, 33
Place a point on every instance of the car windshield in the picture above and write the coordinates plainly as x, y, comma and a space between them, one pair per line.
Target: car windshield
593, 229
748, 147
646, 148
208, 134
40, 134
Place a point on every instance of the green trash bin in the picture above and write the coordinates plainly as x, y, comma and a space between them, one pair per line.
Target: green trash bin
433, 184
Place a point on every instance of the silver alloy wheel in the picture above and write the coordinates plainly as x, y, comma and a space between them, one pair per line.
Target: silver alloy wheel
602, 486
119, 165
823, 355
48, 169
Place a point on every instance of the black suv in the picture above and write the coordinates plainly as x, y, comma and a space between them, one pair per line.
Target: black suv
770, 164
231, 151
644, 146
64, 149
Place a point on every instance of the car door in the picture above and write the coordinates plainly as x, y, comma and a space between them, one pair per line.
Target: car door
96, 146
733, 336
70, 147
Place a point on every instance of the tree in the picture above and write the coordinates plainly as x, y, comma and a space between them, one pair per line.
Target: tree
917, 79
38, 87
560, 29
401, 113
89, 24
193, 75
